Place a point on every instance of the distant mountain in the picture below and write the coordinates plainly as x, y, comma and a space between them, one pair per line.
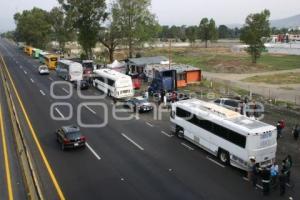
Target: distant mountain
234, 26
289, 22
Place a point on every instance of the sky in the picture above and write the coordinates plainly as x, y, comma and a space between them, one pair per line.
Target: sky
175, 12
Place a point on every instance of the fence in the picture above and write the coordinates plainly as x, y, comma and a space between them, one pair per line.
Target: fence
288, 95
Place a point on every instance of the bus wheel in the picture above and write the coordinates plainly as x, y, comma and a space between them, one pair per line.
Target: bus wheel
224, 156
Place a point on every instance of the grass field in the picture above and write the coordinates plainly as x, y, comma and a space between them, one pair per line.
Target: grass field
223, 60
285, 78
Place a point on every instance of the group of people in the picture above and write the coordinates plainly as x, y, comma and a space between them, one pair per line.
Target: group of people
273, 176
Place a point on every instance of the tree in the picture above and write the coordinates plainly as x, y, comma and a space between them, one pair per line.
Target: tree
61, 27
137, 23
191, 33
9, 35
207, 30
254, 32
110, 36
86, 17
164, 33
223, 31
33, 27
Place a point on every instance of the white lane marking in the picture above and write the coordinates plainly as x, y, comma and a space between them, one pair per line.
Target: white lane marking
133, 142
32, 81
64, 89
93, 151
25, 72
92, 111
166, 134
51, 79
43, 93
245, 178
217, 163
259, 186
58, 111
187, 146
149, 124
21, 67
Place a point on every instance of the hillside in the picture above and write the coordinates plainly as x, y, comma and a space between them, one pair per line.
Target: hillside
288, 22
293, 21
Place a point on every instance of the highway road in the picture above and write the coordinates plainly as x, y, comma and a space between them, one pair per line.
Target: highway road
132, 159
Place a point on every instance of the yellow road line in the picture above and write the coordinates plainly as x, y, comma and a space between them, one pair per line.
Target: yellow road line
33, 133
6, 162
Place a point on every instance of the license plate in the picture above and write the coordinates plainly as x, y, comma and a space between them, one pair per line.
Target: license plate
76, 144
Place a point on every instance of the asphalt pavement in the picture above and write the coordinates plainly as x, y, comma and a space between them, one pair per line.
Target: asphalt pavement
132, 159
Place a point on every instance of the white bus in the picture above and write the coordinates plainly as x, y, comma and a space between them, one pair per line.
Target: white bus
232, 137
113, 83
69, 70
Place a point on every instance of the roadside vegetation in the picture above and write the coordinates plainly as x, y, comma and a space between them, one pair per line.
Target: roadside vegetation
223, 60
286, 78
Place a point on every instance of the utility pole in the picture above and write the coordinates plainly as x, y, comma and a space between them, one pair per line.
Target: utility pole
170, 46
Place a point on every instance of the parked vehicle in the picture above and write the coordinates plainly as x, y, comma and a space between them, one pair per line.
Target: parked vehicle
113, 83
165, 80
51, 61
43, 70
231, 104
88, 66
177, 96
83, 84
232, 137
69, 70
139, 104
70, 137
254, 109
42, 56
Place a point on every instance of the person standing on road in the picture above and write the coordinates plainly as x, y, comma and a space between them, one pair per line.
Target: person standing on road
266, 180
289, 164
296, 132
280, 126
274, 173
282, 182
162, 95
255, 174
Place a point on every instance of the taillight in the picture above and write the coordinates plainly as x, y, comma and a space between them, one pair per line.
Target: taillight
82, 138
66, 141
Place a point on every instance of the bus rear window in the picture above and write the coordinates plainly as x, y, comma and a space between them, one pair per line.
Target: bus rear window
53, 59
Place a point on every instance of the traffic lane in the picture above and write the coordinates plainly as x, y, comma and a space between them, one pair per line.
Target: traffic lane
15, 168
114, 148
43, 122
28, 94
41, 81
176, 158
18, 186
149, 178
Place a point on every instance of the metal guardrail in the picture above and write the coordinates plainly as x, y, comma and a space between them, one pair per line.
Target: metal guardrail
30, 177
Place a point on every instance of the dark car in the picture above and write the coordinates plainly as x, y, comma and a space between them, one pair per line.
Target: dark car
70, 137
139, 104
84, 84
